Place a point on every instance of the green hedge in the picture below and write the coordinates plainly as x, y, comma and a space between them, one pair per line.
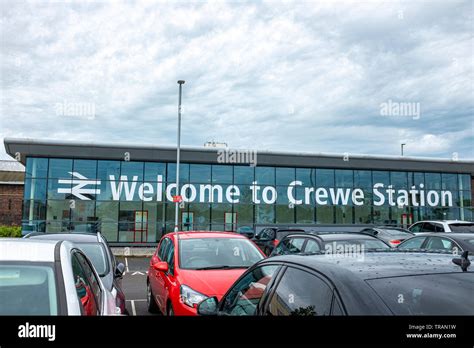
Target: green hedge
10, 231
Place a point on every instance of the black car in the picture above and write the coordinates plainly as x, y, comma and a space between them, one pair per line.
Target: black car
310, 243
96, 248
268, 238
386, 283
247, 231
393, 236
442, 241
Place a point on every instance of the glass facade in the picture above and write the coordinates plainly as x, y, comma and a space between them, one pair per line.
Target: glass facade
131, 201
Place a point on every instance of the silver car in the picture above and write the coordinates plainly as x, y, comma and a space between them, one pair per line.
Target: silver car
42, 277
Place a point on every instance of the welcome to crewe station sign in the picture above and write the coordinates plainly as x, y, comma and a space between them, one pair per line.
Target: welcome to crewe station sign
416, 196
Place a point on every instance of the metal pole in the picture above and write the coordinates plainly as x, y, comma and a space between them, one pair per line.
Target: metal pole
402, 145
176, 211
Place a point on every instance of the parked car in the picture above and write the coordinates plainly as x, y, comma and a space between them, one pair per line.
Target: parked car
442, 226
46, 277
268, 238
247, 231
386, 283
393, 236
309, 243
452, 242
98, 251
188, 267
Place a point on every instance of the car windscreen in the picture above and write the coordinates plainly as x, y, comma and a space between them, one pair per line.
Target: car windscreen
27, 289
469, 228
433, 294
95, 252
217, 253
360, 244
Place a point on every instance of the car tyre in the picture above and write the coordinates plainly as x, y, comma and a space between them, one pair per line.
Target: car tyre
150, 299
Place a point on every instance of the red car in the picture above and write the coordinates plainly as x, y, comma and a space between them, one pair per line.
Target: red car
188, 267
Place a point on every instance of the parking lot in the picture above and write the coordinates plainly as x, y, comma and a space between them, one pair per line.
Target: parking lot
134, 284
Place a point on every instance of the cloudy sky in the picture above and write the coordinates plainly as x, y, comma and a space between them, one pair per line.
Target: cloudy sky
279, 75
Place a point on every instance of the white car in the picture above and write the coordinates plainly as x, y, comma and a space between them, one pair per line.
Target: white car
430, 226
43, 277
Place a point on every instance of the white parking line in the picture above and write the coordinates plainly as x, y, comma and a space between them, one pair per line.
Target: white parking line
126, 265
134, 311
140, 300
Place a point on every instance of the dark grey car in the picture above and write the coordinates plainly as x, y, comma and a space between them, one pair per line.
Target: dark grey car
441, 241
384, 283
393, 236
96, 248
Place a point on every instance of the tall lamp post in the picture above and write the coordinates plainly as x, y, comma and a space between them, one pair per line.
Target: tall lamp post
401, 146
176, 211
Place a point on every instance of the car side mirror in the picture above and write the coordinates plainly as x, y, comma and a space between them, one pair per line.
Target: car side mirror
208, 306
119, 270
161, 266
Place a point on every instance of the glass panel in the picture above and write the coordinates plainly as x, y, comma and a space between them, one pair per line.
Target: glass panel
131, 169
363, 214
107, 212
449, 181
60, 168
201, 215
244, 214
343, 214
86, 168
107, 168
380, 177
265, 175
284, 214
265, 214
465, 182
433, 181
284, 176
304, 214
183, 173
153, 169
381, 215
415, 179
35, 189
362, 178
243, 174
83, 211
325, 214
58, 211
344, 178
33, 211
36, 167
155, 213
218, 213
325, 177
222, 174
306, 176
399, 180
200, 173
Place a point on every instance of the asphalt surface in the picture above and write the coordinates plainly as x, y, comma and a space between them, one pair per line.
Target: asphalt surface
134, 284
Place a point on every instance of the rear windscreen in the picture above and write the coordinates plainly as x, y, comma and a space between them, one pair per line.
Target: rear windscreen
462, 228
433, 294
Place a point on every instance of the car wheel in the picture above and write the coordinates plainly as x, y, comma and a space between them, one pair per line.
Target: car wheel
150, 299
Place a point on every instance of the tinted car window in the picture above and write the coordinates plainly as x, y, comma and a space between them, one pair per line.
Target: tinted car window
413, 243
97, 254
311, 246
300, 293
434, 294
437, 243
428, 227
416, 227
245, 296
295, 245
462, 227
163, 249
27, 290
83, 287
169, 258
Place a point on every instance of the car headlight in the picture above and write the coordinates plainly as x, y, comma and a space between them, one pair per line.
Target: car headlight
190, 297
